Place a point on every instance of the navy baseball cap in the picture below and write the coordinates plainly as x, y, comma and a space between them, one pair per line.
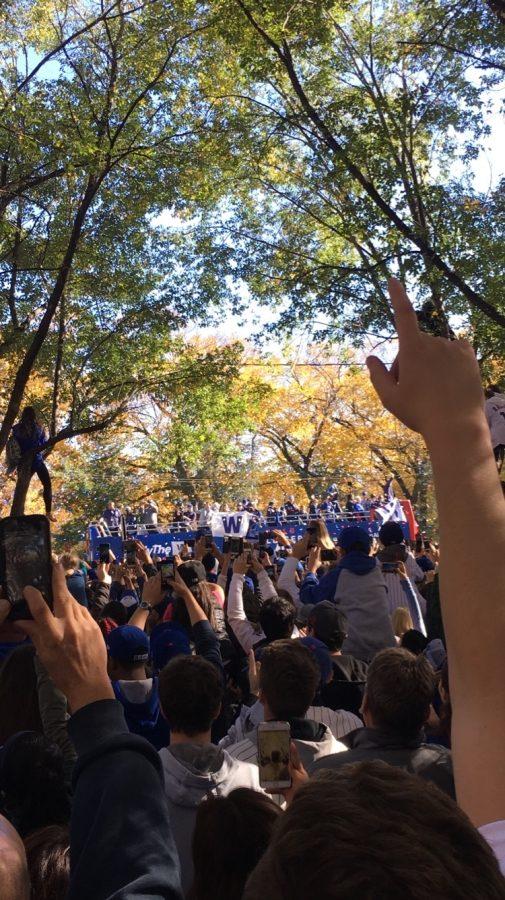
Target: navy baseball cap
128, 644
391, 533
321, 655
352, 535
167, 641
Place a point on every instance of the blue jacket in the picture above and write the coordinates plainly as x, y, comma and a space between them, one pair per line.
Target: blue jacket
358, 588
30, 442
145, 719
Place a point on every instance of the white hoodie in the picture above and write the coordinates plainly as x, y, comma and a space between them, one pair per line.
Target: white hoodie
495, 415
192, 772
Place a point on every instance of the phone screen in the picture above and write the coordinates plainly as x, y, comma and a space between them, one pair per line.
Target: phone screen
167, 569
104, 553
26, 560
236, 546
273, 755
131, 553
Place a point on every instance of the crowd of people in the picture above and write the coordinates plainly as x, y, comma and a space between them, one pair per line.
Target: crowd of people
189, 515
131, 712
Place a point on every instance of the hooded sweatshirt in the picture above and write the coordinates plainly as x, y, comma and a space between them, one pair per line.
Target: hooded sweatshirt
141, 705
358, 588
192, 772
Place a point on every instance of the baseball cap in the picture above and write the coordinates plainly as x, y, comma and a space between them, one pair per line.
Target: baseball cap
354, 535
192, 573
327, 621
167, 641
128, 645
391, 533
322, 656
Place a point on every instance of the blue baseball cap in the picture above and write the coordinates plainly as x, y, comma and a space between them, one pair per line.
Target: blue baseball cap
128, 644
352, 535
167, 641
322, 656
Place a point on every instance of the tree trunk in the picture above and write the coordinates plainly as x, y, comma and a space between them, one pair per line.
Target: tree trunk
24, 371
57, 367
24, 476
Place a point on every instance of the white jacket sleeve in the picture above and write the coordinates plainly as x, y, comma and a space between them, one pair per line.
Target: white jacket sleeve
240, 625
267, 589
287, 581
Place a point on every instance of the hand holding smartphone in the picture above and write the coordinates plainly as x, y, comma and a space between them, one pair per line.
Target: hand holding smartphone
25, 559
167, 569
274, 740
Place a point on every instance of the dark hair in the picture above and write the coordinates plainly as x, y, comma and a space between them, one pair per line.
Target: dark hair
209, 561
202, 593
19, 700
372, 831
230, 837
277, 617
191, 692
115, 610
399, 691
32, 783
48, 858
414, 640
289, 678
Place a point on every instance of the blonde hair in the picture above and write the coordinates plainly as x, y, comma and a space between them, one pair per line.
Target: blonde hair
69, 561
322, 534
401, 621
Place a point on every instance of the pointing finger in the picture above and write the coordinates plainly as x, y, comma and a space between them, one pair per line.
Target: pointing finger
406, 322
382, 380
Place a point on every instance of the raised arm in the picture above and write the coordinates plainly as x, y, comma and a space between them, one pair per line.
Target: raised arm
243, 630
121, 843
434, 388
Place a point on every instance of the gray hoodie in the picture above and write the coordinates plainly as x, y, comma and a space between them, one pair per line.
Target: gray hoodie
192, 772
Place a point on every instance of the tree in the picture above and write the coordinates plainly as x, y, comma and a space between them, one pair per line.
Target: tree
346, 129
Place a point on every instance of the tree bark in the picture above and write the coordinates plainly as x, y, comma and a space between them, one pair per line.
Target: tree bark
33, 350
57, 367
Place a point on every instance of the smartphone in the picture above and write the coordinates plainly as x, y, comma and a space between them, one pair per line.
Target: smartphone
104, 553
209, 540
312, 542
167, 569
390, 567
270, 570
190, 542
273, 755
25, 559
328, 555
131, 553
234, 546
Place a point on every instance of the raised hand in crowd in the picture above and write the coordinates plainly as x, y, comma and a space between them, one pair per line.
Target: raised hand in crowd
434, 387
241, 564
314, 560
69, 644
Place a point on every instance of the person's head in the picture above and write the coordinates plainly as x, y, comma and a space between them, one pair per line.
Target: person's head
401, 621
289, 679
231, 834
19, 701
115, 610
373, 831
48, 857
391, 533
28, 418
210, 563
111, 504
399, 691
128, 653
14, 878
277, 617
355, 540
70, 562
328, 624
32, 783
320, 535
191, 692
168, 641
415, 641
